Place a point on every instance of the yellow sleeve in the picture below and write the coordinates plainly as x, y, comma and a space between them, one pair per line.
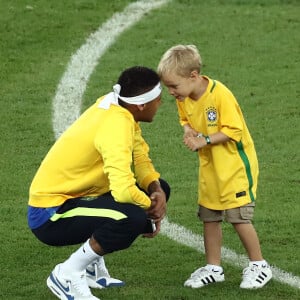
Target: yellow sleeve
182, 117
231, 115
143, 168
115, 141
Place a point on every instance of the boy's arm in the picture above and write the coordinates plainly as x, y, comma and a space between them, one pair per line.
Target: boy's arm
196, 143
188, 131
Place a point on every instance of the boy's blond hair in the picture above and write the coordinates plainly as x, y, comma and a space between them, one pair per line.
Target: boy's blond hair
180, 59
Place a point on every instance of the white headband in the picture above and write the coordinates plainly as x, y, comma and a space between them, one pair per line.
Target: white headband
141, 99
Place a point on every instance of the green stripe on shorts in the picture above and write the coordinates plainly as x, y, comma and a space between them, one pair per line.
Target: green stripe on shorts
90, 212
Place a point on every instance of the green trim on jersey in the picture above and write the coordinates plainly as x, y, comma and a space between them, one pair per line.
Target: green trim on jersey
213, 86
245, 160
90, 212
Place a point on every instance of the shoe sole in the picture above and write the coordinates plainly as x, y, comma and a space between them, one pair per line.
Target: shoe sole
103, 283
256, 287
265, 278
204, 282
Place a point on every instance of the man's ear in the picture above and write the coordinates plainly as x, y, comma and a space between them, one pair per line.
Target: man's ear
141, 107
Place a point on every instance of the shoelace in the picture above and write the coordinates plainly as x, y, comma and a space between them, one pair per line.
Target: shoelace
80, 285
252, 271
100, 269
201, 271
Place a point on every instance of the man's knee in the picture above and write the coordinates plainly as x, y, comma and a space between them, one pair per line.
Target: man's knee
116, 235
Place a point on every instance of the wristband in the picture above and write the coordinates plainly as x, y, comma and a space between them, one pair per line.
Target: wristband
207, 138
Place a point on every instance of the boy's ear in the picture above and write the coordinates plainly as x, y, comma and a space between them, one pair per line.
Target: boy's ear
194, 74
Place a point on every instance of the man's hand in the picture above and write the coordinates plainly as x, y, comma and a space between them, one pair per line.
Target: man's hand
153, 234
158, 207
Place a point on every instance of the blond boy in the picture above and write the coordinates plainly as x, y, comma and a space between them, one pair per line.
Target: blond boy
214, 126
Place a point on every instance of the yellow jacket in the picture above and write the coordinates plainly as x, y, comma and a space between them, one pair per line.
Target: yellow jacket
102, 151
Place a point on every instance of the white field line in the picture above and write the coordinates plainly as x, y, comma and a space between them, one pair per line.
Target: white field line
68, 98
67, 108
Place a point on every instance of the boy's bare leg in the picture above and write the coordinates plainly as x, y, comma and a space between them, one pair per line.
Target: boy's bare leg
249, 238
213, 242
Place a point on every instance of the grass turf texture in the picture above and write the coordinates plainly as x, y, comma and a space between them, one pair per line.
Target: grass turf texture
251, 47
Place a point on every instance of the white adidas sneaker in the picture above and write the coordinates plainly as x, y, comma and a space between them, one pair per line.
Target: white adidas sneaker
255, 277
204, 276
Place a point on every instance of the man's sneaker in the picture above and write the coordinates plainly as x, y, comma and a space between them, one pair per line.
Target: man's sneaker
255, 277
98, 277
69, 287
204, 276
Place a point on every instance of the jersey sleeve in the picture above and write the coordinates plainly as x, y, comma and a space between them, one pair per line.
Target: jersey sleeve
230, 115
115, 141
181, 114
143, 168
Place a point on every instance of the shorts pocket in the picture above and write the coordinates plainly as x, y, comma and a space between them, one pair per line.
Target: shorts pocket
247, 212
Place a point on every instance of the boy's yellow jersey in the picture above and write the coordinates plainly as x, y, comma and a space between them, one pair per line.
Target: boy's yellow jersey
102, 151
228, 172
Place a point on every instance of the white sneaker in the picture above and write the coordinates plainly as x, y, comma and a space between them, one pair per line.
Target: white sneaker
255, 277
69, 287
98, 277
203, 276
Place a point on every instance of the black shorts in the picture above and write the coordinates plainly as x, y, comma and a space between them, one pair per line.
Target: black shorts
114, 225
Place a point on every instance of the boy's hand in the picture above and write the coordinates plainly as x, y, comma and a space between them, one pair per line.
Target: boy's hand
194, 143
189, 132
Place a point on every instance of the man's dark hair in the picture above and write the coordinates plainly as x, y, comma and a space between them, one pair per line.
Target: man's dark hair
137, 80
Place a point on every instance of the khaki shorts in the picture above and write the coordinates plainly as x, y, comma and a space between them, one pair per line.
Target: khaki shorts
243, 214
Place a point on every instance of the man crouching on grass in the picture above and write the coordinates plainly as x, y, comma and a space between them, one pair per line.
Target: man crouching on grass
98, 186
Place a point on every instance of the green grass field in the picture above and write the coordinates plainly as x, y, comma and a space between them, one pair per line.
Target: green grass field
251, 46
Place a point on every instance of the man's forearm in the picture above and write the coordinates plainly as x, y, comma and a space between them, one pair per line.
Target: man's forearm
154, 186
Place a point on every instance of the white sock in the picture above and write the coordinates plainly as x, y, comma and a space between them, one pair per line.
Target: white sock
214, 268
80, 259
258, 263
